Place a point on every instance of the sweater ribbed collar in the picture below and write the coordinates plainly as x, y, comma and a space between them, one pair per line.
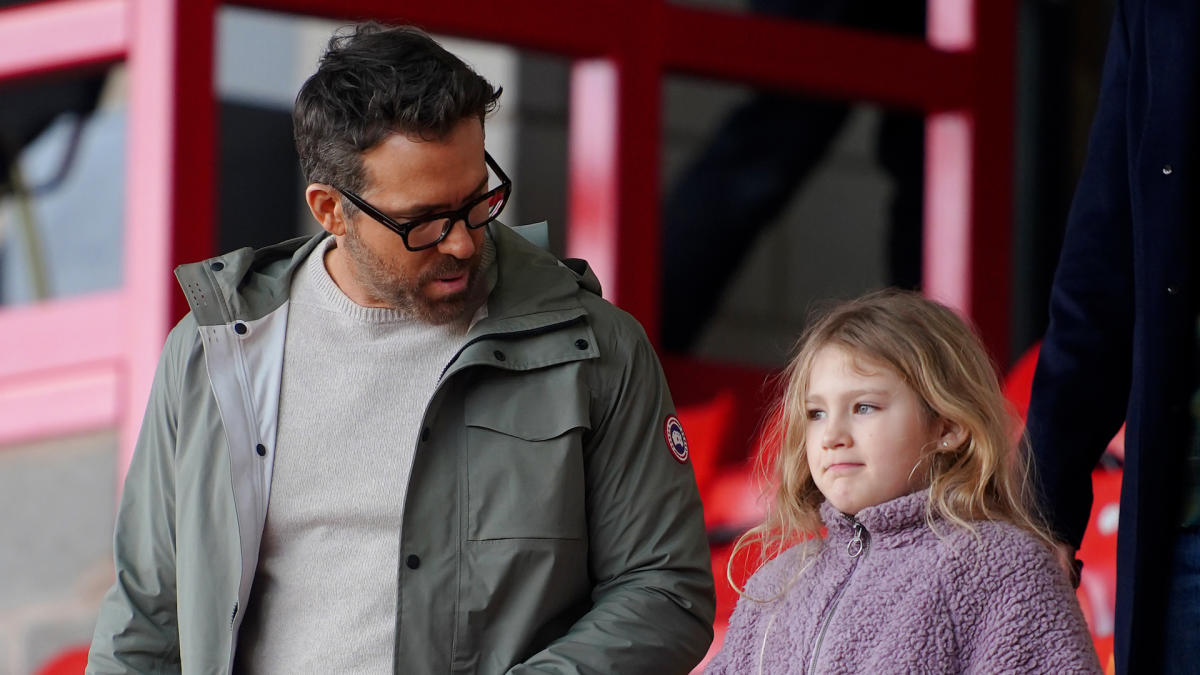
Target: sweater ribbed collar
335, 298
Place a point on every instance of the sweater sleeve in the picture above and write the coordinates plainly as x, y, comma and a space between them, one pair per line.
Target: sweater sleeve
1016, 610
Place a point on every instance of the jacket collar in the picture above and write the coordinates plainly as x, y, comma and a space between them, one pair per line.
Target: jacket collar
529, 289
891, 523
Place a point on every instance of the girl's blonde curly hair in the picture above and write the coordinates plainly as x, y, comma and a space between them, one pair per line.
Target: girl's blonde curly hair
936, 353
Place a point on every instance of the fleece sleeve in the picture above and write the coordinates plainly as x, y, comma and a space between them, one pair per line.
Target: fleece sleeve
1018, 612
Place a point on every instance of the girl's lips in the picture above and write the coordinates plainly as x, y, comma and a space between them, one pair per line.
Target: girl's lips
844, 466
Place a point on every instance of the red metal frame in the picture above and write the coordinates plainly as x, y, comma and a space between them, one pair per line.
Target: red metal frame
961, 77
84, 363
963, 72
84, 32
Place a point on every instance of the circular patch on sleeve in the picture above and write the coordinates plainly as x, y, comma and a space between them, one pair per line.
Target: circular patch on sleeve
676, 441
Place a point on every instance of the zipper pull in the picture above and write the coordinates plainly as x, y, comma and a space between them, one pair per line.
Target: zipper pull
856, 545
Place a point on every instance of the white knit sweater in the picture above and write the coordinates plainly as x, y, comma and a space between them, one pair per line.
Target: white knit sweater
356, 381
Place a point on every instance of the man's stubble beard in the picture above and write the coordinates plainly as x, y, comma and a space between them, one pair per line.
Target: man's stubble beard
406, 296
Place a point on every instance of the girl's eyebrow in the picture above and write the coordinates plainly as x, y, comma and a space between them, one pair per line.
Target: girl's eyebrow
854, 393
869, 392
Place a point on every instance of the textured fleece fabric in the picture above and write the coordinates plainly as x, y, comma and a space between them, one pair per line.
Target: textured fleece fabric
912, 600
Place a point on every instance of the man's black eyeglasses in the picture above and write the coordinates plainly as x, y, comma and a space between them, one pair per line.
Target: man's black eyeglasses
430, 230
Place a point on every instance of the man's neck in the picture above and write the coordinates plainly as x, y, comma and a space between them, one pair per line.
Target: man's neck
338, 266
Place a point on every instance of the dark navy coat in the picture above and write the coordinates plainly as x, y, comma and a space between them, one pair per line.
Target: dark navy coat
1121, 340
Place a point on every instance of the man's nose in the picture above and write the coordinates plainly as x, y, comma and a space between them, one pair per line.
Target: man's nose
458, 242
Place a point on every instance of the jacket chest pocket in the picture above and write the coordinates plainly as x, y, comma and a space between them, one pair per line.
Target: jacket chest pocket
525, 477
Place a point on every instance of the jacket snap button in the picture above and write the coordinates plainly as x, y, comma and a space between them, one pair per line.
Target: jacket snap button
581, 344
261, 450
217, 266
240, 328
425, 435
1168, 169
413, 562
499, 355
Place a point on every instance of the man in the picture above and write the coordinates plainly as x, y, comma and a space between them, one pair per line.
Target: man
412, 444
1122, 341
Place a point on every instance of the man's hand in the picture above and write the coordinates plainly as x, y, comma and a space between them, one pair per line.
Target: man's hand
1070, 565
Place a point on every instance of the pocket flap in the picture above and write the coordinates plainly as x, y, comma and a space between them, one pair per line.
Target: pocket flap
534, 406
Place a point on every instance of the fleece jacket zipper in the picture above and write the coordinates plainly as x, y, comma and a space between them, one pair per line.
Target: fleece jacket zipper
857, 549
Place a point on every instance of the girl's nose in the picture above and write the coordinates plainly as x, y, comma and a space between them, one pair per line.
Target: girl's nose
835, 435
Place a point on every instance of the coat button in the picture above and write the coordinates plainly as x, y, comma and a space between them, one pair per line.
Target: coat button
240, 328
413, 562
217, 266
425, 435
499, 355
1168, 169
581, 344
261, 450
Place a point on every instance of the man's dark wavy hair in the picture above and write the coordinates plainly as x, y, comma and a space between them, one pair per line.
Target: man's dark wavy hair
375, 81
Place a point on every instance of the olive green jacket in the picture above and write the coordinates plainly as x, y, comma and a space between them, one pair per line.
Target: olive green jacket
549, 528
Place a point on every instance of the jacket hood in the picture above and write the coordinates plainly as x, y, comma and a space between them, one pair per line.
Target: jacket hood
244, 284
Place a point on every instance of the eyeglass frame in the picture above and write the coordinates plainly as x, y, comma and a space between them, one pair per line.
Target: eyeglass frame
452, 217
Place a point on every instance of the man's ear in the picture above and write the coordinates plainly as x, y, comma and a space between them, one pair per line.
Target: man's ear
326, 206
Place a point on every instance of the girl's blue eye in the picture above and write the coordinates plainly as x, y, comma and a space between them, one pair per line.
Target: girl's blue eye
864, 408
816, 414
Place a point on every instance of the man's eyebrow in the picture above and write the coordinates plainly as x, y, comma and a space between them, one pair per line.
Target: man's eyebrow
414, 209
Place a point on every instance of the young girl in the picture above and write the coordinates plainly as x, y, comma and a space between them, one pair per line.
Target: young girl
895, 439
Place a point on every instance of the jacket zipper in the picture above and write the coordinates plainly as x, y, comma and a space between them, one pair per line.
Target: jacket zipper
857, 549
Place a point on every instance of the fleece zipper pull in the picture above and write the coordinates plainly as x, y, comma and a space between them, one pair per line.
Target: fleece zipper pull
857, 543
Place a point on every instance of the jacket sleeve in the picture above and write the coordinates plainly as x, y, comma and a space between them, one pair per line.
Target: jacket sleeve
1016, 613
652, 599
1081, 386
137, 629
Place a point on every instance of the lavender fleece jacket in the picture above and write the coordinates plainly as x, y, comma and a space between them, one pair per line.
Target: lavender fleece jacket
910, 601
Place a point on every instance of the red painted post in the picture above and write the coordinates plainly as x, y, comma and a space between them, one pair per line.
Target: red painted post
968, 195
170, 191
992, 178
613, 160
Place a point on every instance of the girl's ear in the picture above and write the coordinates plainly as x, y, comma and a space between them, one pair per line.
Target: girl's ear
950, 434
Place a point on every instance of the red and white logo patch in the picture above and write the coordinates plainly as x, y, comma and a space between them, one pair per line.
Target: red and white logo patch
676, 441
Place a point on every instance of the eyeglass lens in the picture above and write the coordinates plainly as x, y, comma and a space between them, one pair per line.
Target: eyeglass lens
478, 214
